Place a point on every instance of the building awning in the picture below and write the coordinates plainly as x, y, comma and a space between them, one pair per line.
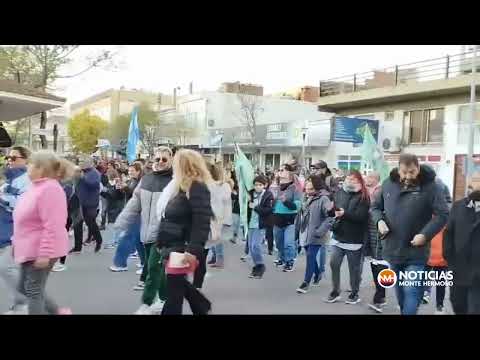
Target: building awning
19, 101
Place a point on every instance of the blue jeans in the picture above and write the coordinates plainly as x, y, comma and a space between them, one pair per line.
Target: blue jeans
255, 238
408, 297
285, 240
236, 226
315, 264
127, 244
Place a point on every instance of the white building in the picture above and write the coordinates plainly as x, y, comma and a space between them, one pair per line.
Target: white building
280, 126
427, 117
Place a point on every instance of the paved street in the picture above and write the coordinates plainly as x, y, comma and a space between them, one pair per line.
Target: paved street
88, 287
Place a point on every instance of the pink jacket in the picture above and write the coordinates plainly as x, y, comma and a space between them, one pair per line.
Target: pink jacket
39, 221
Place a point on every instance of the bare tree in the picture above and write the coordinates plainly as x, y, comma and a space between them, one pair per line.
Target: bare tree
41, 65
250, 109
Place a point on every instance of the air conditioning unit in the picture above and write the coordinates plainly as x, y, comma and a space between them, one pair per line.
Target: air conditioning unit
392, 145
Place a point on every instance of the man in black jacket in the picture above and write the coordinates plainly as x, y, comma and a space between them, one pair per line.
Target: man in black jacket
461, 249
409, 211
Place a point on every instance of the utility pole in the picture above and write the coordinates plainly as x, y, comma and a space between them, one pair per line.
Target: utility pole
471, 129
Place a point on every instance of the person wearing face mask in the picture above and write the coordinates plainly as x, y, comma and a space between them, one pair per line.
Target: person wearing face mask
461, 249
144, 203
409, 211
313, 224
350, 228
286, 205
17, 183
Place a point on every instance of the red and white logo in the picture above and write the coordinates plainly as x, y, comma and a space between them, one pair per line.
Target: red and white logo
387, 278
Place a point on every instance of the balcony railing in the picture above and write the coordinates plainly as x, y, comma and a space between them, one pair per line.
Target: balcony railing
446, 67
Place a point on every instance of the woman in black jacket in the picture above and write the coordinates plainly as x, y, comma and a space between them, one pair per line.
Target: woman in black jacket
184, 228
349, 234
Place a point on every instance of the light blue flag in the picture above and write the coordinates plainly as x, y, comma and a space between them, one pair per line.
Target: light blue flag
133, 136
245, 176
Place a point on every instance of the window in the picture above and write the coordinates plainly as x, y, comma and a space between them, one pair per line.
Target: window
423, 126
464, 125
389, 115
228, 158
272, 161
349, 162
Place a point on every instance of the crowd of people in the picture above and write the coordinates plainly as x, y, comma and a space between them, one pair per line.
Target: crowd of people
175, 212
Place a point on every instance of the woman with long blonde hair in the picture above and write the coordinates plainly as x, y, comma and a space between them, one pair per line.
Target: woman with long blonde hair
40, 237
184, 228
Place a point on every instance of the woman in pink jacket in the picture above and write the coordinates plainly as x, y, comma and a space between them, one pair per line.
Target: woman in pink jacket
40, 237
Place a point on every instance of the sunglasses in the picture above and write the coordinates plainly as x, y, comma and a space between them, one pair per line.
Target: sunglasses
163, 160
14, 158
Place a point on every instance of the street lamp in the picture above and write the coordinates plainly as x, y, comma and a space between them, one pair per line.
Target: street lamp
471, 131
304, 135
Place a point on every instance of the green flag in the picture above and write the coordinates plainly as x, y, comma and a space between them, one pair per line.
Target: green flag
245, 176
372, 155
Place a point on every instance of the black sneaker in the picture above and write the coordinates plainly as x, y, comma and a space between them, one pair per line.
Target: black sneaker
75, 251
316, 280
213, 260
233, 240
254, 272
260, 272
426, 298
353, 298
376, 307
288, 268
278, 263
270, 252
333, 297
98, 246
303, 288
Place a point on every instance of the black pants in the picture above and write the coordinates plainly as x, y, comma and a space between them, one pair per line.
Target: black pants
380, 291
148, 249
89, 216
439, 289
178, 288
199, 275
269, 236
466, 299
68, 226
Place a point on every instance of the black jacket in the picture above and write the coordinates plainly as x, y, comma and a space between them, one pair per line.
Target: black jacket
115, 203
264, 209
352, 227
186, 224
461, 243
409, 212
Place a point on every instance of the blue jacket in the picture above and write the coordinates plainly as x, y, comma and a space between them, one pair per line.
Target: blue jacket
88, 188
17, 183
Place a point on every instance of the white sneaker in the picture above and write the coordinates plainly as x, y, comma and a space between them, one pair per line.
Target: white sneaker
140, 286
139, 272
139, 266
58, 267
118, 269
144, 309
18, 310
157, 307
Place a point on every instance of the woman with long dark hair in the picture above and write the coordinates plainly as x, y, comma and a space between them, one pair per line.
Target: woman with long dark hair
352, 204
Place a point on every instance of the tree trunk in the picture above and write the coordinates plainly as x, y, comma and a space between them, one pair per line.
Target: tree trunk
43, 125
55, 137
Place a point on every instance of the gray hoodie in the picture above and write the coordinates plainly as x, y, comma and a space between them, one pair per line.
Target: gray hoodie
314, 220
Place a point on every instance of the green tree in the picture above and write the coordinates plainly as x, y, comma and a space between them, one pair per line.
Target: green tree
41, 65
84, 130
119, 127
